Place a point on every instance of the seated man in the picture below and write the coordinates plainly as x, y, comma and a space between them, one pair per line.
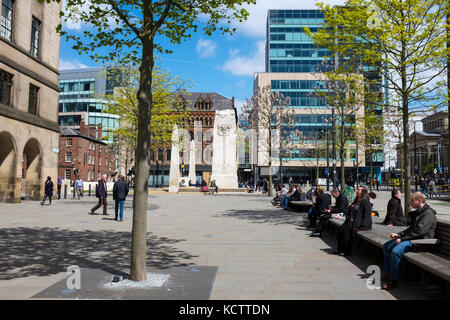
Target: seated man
341, 206
323, 201
292, 194
422, 226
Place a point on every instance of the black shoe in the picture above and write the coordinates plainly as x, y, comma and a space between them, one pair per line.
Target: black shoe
42, 203
347, 254
336, 252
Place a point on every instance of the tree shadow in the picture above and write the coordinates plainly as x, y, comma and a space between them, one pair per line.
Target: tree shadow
274, 216
46, 251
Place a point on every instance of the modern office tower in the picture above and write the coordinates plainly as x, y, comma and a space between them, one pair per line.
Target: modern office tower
29, 131
294, 67
81, 92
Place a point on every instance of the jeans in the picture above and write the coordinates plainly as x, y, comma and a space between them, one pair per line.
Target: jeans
121, 204
425, 192
393, 257
286, 201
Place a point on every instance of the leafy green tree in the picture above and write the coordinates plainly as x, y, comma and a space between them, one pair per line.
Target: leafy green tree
167, 111
131, 31
402, 40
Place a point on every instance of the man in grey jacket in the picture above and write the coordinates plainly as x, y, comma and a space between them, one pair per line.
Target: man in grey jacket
422, 226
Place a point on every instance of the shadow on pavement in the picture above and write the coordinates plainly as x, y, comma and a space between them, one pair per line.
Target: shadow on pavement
275, 216
46, 251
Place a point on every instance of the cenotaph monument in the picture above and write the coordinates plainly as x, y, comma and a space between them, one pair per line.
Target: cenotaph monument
224, 164
192, 175
174, 173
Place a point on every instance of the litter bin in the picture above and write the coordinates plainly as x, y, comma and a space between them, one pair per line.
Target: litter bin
349, 193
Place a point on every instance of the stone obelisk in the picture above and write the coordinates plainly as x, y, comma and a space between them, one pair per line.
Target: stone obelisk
192, 175
174, 174
224, 164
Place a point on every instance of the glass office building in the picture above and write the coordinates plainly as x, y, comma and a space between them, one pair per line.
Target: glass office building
292, 67
80, 97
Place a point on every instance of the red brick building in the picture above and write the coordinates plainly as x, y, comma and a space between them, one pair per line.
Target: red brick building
82, 150
199, 126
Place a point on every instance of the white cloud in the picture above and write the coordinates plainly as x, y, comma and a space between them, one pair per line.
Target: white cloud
206, 48
255, 25
75, 23
246, 65
71, 64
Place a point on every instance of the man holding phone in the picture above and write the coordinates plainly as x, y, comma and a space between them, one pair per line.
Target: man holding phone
422, 226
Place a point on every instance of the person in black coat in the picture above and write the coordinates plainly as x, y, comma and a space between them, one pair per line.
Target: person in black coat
394, 215
101, 194
120, 192
323, 201
341, 206
48, 190
356, 216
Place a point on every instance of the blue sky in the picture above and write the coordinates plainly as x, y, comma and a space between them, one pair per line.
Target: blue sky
219, 63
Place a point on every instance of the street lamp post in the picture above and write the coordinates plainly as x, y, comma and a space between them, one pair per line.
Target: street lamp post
333, 150
328, 161
415, 156
357, 164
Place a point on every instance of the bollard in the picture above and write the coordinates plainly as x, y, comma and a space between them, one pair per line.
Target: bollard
74, 191
65, 191
89, 190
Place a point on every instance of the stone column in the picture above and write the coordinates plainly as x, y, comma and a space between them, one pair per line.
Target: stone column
174, 173
224, 164
192, 175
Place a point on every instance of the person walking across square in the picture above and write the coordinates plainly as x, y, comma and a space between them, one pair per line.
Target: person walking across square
101, 194
79, 187
120, 192
48, 190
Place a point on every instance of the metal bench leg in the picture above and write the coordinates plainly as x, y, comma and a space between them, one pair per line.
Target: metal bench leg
425, 280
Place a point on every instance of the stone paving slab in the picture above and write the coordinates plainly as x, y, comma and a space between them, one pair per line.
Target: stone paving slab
257, 250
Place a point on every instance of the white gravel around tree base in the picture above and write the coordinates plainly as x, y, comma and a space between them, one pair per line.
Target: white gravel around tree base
153, 280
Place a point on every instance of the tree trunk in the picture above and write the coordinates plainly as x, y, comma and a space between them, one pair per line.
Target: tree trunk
448, 89
342, 153
370, 169
138, 270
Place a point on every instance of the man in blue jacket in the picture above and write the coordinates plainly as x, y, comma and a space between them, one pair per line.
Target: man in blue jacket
101, 194
120, 192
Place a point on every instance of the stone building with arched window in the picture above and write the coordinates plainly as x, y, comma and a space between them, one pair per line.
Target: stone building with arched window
29, 131
199, 126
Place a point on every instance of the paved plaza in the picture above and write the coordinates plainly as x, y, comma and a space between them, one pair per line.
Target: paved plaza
229, 246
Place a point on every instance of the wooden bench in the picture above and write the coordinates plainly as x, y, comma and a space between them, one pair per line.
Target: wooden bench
300, 206
435, 261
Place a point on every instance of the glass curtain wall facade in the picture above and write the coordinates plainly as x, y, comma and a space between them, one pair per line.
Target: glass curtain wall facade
290, 50
80, 96
292, 65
